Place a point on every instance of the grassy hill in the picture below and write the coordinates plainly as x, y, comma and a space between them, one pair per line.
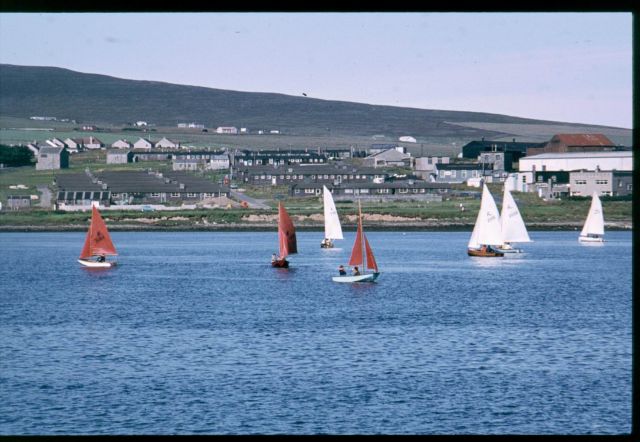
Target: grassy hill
103, 100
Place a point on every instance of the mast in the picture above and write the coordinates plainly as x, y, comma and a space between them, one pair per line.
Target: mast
364, 256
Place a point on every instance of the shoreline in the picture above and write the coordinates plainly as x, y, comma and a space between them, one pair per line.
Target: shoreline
267, 227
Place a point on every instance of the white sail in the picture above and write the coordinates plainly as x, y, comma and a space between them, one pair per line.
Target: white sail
332, 228
595, 220
487, 230
513, 228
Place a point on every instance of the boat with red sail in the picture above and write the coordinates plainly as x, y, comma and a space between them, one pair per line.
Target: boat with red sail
286, 239
97, 244
361, 256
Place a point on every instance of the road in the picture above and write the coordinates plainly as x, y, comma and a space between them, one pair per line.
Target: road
253, 203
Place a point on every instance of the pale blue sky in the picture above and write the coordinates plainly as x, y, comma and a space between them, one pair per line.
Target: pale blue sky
570, 67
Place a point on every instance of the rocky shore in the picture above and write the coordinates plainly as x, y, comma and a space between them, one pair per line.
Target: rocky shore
270, 225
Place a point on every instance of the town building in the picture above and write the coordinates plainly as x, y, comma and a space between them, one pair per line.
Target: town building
52, 158
17, 202
167, 144
122, 144
424, 166
135, 187
242, 158
323, 174
388, 158
458, 172
396, 190
143, 143
572, 161
605, 183
563, 143
227, 130
119, 157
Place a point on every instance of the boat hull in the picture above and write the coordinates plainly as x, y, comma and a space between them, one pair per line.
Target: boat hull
96, 265
484, 253
326, 246
508, 250
369, 277
280, 263
591, 239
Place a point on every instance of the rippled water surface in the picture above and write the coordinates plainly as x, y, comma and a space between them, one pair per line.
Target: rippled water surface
196, 333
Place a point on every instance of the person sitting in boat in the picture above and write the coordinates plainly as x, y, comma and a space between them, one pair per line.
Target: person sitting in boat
101, 258
342, 271
356, 272
274, 257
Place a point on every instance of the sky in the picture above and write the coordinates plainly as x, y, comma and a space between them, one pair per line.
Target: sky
568, 67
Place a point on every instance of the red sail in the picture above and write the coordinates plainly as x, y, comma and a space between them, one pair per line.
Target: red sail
98, 241
371, 261
286, 233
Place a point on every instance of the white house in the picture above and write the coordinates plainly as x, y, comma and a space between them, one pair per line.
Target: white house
227, 130
389, 157
219, 162
165, 142
56, 142
572, 161
142, 143
122, 144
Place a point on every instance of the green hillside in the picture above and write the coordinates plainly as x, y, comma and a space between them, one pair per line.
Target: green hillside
99, 99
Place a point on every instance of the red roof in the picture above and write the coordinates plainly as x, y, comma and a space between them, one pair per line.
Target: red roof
582, 140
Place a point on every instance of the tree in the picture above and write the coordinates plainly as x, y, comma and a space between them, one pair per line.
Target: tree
14, 156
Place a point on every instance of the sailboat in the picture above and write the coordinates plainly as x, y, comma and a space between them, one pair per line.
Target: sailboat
361, 255
332, 228
97, 244
286, 239
593, 230
512, 225
487, 234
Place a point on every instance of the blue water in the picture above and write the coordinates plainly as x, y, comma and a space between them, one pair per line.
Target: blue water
196, 333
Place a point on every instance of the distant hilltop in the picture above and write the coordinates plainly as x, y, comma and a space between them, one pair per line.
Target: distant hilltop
26, 91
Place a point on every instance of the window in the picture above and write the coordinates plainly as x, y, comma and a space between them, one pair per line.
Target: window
602, 181
175, 194
296, 191
403, 190
539, 177
524, 178
348, 190
581, 182
191, 194
155, 195
309, 191
463, 174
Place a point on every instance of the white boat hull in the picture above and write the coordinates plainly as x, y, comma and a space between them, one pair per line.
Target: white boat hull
508, 250
590, 239
369, 277
96, 265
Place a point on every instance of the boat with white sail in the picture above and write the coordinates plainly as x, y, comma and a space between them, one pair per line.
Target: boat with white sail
593, 230
487, 234
332, 227
511, 225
